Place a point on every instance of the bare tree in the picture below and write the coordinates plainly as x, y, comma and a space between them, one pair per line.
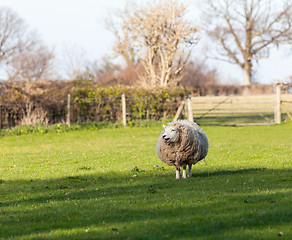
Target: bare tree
74, 61
124, 45
245, 30
12, 31
103, 70
22, 53
31, 65
99, 71
79, 67
197, 73
158, 37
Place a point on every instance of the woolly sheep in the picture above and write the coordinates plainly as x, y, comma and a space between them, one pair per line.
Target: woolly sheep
182, 143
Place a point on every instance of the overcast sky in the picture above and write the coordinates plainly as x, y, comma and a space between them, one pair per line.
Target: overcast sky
79, 24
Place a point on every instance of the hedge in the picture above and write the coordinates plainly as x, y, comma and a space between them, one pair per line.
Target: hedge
89, 102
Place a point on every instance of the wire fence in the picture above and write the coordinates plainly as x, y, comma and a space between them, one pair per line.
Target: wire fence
206, 110
78, 110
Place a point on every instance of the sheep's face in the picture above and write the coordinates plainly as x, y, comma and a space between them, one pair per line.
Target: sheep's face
171, 134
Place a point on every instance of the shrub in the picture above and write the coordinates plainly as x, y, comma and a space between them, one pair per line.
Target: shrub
46, 103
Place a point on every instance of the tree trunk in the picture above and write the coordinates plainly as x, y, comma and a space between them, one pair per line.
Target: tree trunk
247, 73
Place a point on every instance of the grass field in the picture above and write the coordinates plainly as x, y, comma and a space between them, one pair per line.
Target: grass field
109, 184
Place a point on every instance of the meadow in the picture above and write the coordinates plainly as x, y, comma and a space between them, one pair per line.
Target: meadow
109, 184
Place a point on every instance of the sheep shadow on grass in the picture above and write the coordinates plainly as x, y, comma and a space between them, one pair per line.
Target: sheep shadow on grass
149, 205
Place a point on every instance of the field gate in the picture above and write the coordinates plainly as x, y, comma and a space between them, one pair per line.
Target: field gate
243, 110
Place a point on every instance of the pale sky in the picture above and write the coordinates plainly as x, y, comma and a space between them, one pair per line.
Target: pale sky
80, 24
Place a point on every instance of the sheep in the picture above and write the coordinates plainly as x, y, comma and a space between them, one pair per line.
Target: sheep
182, 143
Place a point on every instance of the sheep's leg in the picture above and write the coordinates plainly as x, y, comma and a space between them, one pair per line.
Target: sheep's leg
184, 175
190, 170
177, 172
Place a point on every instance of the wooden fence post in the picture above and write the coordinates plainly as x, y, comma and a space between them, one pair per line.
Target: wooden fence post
124, 113
178, 112
68, 109
278, 104
190, 109
0, 117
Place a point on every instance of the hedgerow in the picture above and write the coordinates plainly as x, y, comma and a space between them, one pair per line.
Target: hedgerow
89, 102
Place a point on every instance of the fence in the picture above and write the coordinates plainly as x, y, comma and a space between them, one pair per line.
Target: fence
114, 108
243, 110
207, 110
12, 115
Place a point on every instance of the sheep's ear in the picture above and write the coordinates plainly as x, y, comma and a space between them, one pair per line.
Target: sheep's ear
164, 126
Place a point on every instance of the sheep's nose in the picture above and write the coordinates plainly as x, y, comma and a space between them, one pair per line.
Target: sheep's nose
166, 138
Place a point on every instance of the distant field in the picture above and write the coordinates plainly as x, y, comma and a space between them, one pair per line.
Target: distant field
109, 184
239, 109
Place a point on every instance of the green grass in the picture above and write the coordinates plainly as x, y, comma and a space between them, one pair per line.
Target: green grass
109, 184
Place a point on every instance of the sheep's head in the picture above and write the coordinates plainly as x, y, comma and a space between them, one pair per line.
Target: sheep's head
170, 134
